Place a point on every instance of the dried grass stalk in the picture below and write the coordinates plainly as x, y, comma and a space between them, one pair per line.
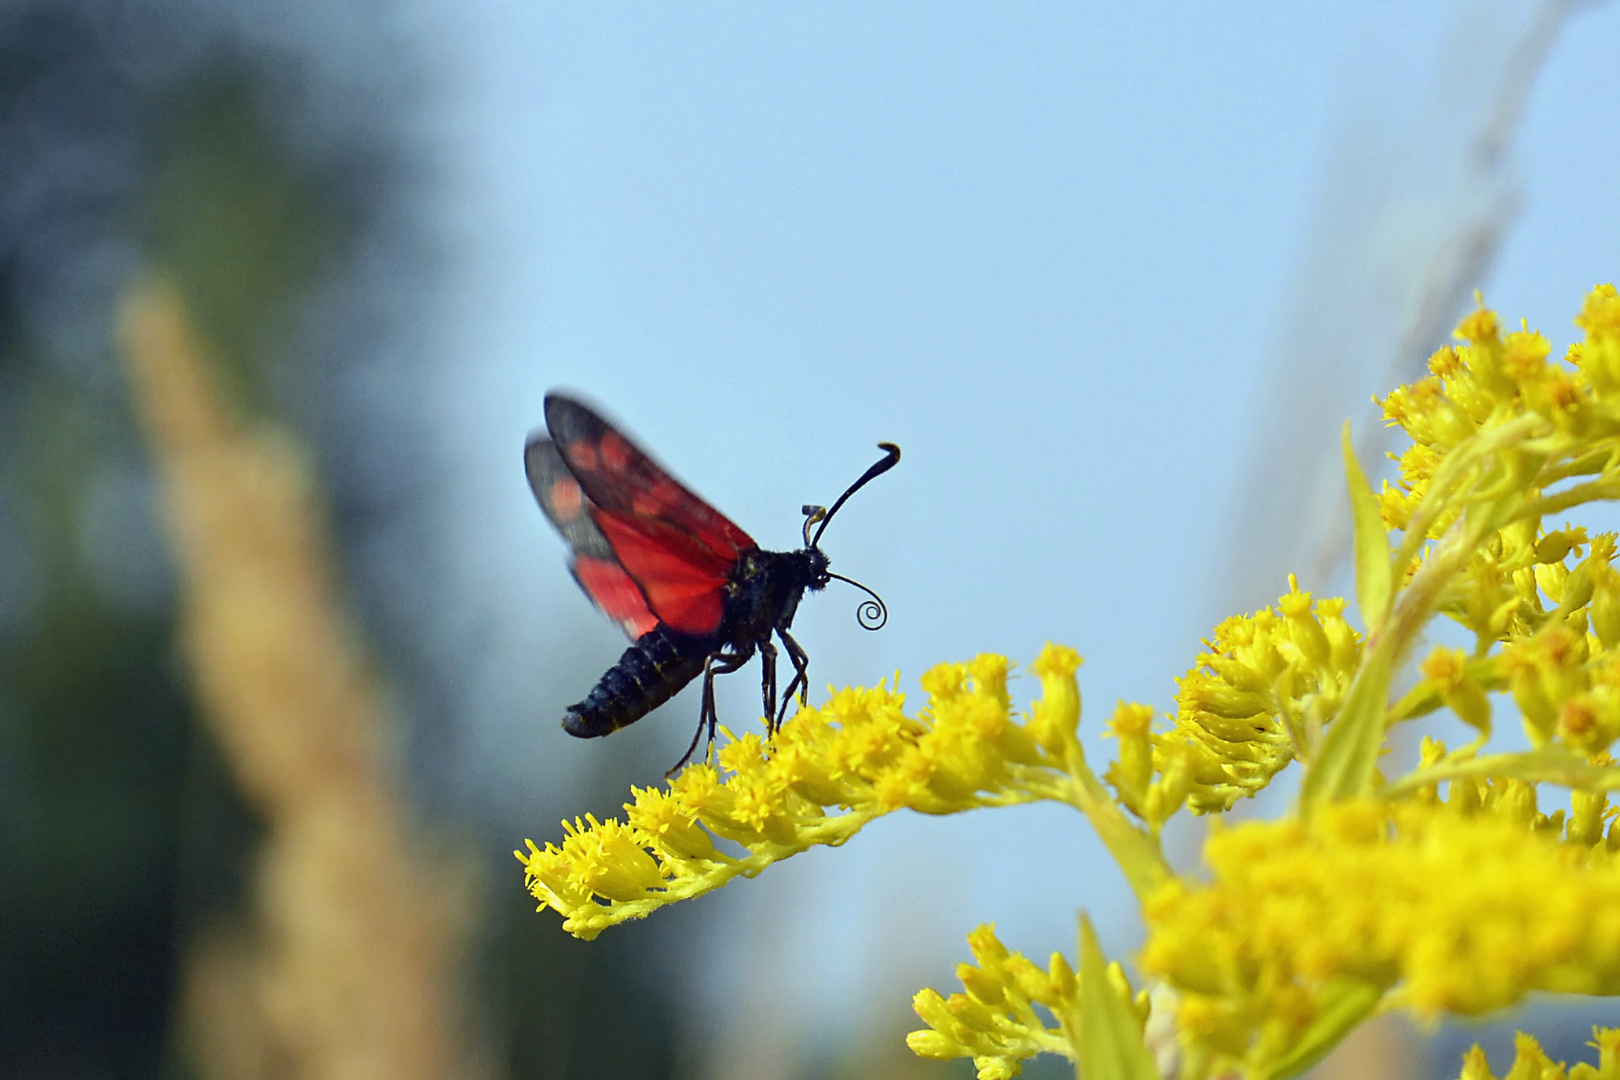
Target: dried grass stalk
354, 963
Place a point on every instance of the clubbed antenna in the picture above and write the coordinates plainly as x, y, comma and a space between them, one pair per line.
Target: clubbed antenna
815, 515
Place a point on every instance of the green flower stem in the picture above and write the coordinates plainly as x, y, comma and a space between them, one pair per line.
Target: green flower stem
1344, 1007
1550, 764
1135, 849
1591, 491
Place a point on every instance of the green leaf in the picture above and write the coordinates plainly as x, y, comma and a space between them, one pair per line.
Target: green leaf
1344, 767
1374, 581
1110, 1035
1345, 1005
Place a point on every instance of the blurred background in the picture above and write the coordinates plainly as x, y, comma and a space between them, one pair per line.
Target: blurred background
284, 640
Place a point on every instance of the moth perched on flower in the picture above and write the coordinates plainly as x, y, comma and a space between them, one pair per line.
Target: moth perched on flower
695, 593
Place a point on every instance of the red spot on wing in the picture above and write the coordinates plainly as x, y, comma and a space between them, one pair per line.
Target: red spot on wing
581, 455
616, 452
659, 499
682, 579
615, 593
566, 499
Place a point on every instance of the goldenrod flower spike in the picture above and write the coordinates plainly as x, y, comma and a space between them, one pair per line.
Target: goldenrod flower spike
1260, 695
1426, 902
1012, 1010
1530, 1061
828, 772
995, 1021
1494, 427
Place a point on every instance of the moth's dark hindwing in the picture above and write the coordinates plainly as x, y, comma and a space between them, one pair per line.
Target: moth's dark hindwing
650, 672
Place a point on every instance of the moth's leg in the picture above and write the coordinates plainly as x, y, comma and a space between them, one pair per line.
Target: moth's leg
767, 660
705, 720
720, 663
801, 673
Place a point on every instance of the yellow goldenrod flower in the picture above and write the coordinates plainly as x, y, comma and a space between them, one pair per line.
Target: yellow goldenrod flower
828, 772
996, 1022
1600, 354
1530, 1061
1448, 674
1463, 907
1259, 697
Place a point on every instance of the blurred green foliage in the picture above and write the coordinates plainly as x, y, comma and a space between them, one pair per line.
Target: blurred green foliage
121, 831
239, 227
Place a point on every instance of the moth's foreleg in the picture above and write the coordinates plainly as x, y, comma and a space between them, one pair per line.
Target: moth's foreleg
801, 673
767, 660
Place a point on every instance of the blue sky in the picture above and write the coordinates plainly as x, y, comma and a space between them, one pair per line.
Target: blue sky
1057, 252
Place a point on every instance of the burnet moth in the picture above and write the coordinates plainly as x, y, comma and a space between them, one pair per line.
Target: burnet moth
695, 593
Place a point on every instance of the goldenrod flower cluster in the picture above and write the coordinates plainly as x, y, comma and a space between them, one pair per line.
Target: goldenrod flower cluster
1260, 695
1530, 1061
995, 1021
1391, 893
1439, 888
828, 771
1359, 893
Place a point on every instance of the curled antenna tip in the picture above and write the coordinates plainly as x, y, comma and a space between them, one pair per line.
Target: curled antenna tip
872, 614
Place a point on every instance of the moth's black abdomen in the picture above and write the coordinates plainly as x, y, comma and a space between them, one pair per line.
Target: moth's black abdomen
650, 672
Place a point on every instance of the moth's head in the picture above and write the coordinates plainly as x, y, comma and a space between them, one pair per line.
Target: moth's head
816, 568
